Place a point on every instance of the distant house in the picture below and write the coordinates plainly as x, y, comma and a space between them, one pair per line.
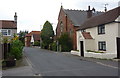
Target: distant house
70, 20
100, 34
8, 27
7, 30
31, 37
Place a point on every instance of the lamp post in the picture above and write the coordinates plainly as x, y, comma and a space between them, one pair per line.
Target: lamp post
57, 45
49, 44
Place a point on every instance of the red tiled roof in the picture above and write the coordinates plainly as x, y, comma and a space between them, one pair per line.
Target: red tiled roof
7, 24
87, 35
33, 32
107, 17
36, 35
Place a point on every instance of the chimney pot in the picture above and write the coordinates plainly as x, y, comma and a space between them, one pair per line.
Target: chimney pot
89, 8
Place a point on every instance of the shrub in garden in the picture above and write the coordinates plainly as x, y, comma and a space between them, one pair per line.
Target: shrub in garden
16, 49
66, 42
54, 46
37, 43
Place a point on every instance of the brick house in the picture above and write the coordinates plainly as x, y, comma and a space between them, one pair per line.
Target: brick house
70, 20
100, 34
31, 37
7, 30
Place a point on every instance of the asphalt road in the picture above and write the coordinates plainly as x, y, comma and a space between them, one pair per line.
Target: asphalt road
48, 63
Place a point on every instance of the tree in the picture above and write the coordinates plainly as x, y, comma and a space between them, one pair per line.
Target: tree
22, 36
66, 42
47, 35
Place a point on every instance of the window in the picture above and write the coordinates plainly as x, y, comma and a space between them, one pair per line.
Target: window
61, 27
6, 32
102, 45
101, 29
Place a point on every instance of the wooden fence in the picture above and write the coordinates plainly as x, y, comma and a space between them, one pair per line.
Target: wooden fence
4, 49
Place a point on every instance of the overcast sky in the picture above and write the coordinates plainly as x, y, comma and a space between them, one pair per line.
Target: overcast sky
32, 14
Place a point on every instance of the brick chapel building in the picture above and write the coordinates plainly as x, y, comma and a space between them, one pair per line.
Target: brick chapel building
70, 20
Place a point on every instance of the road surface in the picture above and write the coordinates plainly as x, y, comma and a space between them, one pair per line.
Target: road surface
49, 63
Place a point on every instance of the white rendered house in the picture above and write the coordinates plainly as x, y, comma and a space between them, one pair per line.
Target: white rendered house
99, 36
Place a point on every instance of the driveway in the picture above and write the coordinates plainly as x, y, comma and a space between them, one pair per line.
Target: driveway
49, 63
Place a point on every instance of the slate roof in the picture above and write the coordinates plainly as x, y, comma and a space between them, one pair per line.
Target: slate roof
107, 17
78, 17
7, 24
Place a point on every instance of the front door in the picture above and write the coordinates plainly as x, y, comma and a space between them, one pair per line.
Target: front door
82, 48
118, 48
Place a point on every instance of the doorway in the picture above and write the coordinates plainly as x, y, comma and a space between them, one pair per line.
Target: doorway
118, 48
82, 48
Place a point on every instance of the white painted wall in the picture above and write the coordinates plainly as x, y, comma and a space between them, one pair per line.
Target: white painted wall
32, 39
112, 31
89, 44
79, 38
118, 29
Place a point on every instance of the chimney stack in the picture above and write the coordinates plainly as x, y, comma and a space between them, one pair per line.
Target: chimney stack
15, 17
89, 12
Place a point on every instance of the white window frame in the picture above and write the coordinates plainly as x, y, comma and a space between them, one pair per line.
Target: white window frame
7, 32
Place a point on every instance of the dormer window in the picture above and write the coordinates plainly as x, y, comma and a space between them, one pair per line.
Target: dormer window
101, 29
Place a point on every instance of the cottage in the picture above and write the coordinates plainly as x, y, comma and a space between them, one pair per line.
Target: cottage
99, 36
7, 30
70, 20
31, 37
8, 27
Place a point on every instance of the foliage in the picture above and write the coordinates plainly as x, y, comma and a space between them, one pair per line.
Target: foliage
54, 46
16, 49
47, 35
22, 36
5, 40
37, 43
94, 51
66, 42
0, 37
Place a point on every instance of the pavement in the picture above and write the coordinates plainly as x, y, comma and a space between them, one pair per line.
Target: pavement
106, 62
27, 70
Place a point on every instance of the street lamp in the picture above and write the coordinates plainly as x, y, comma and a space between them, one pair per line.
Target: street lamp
57, 45
49, 44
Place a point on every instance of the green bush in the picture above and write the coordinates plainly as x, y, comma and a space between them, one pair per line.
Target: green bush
54, 46
16, 49
37, 43
66, 42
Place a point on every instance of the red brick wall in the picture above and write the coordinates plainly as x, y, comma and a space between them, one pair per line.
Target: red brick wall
27, 42
67, 23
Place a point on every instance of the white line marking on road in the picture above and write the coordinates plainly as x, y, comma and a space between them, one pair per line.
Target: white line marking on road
107, 65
